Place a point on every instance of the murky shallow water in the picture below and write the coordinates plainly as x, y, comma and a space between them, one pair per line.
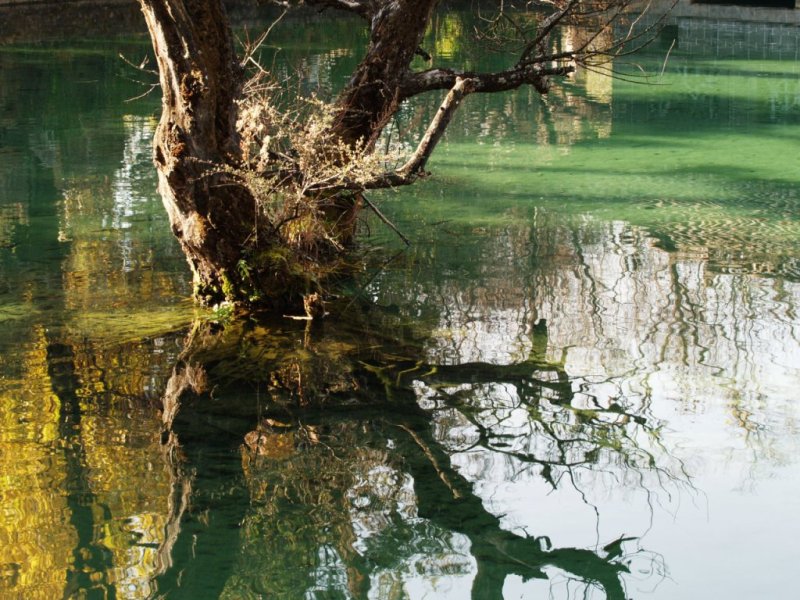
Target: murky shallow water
579, 382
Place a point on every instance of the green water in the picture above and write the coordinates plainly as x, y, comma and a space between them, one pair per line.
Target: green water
580, 381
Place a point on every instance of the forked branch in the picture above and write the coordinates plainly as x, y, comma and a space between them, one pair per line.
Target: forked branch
501, 81
414, 167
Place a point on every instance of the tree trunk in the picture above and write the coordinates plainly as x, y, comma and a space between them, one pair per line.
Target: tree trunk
212, 215
372, 95
235, 252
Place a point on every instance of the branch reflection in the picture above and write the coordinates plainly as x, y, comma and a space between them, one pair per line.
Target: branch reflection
350, 485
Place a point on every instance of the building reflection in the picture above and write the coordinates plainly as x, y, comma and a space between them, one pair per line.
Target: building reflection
119, 254
85, 489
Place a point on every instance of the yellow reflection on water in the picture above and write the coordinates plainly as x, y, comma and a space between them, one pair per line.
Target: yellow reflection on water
118, 471
35, 546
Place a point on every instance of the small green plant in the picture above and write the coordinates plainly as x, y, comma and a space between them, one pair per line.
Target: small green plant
221, 313
244, 269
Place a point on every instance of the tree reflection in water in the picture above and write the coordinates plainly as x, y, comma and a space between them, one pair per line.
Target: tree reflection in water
407, 446
413, 444
349, 488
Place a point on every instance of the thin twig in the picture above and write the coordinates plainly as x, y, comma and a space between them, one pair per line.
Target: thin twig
385, 220
666, 58
140, 66
250, 52
152, 87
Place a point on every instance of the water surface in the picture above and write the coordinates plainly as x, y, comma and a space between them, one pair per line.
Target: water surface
580, 381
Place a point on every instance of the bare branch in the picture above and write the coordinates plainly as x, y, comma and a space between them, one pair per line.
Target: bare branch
385, 219
544, 30
414, 167
437, 79
251, 49
416, 164
141, 66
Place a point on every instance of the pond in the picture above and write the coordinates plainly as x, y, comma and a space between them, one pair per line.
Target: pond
579, 381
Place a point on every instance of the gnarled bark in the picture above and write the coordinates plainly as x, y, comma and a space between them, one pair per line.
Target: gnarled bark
212, 216
372, 95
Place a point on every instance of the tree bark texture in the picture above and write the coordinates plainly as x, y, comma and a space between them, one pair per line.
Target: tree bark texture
212, 216
372, 95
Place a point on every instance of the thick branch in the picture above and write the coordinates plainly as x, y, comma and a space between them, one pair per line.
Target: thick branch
415, 165
371, 96
461, 85
438, 79
435, 131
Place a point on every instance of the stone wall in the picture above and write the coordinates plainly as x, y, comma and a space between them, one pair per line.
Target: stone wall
61, 2
40, 21
729, 31
694, 10
740, 39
